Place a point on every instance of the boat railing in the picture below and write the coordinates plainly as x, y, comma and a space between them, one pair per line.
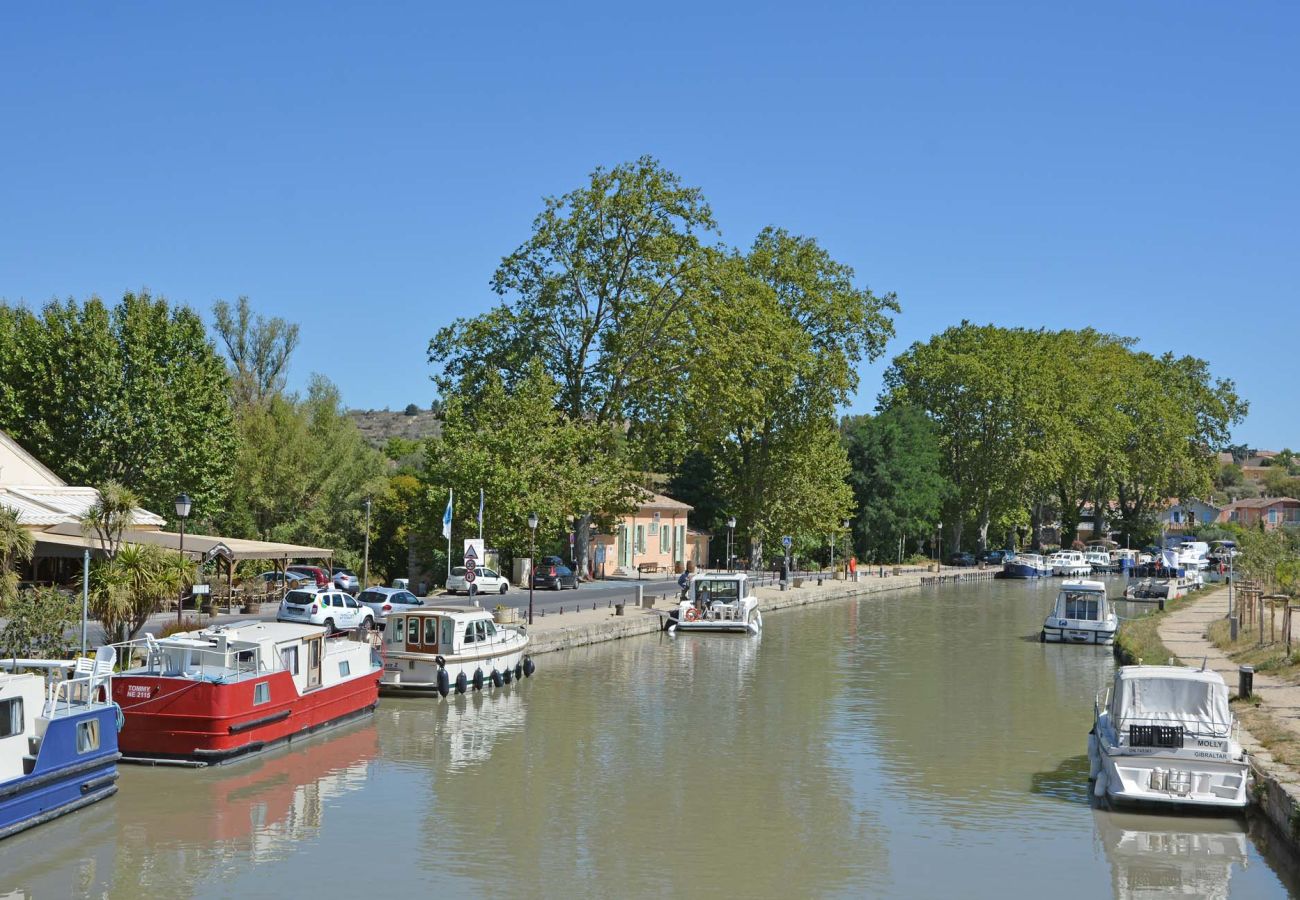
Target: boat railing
190, 658
73, 694
1135, 731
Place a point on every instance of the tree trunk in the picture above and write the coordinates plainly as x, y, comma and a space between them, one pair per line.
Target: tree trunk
984, 529
582, 540
756, 553
1036, 528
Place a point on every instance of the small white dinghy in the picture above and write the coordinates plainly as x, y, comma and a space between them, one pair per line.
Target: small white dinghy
1082, 615
717, 602
1164, 735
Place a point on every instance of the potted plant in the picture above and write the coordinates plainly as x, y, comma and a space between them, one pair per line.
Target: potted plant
505, 615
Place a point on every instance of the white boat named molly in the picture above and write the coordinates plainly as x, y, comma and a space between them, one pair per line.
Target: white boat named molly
439, 649
1164, 735
1082, 615
717, 602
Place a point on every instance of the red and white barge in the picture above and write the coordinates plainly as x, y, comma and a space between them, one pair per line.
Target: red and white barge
213, 695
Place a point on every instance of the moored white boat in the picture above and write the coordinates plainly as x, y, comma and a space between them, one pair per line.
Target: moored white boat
1165, 735
1026, 565
717, 602
1070, 564
1082, 615
451, 647
1098, 560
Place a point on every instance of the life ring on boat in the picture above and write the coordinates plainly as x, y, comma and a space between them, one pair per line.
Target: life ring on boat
692, 615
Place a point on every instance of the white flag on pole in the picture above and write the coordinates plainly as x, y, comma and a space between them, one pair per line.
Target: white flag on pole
480, 513
446, 519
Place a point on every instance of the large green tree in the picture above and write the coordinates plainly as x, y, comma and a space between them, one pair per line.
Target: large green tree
603, 293
134, 393
527, 456
897, 480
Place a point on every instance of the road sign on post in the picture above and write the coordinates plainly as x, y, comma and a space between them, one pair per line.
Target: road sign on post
787, 542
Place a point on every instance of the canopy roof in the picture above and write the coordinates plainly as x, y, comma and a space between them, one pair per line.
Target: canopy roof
1175, 694
198, 545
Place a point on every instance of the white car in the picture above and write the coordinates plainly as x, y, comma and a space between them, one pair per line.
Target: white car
486, 581
385, 600
336, 610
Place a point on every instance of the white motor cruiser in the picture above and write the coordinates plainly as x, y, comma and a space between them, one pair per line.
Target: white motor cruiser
1082, 615
717, 602
1165, 735
439, 649
1099, 560
1071, 564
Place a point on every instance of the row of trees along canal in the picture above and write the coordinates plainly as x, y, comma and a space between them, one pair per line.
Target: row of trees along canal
628, 339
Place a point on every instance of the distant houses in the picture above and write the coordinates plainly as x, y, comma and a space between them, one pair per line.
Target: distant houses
1272, 512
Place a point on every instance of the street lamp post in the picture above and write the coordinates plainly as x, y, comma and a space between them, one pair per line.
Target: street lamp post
183, 504
938, 538
532, 552
847, 547
365, 562
731, 529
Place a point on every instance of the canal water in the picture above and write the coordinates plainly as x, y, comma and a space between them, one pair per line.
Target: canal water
919, 744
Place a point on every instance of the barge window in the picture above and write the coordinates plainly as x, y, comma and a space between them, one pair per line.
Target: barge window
431, 632
88, 735
469, 633
448, 633
11, 717
491, 629
261, 693
399, 631
290, 657
480, 633
345, 669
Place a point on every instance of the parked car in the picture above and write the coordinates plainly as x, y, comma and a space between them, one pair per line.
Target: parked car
385, 600
486, 581
992, 557
552, 573
277, 580
346, 580
318, 574
335, 610
961, 559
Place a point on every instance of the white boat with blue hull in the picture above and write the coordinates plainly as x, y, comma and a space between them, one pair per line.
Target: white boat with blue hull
1082, 615
1164, 735
1026, 565
717, 602
58, 740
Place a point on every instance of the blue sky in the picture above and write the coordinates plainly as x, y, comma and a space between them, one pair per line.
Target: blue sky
1128, 166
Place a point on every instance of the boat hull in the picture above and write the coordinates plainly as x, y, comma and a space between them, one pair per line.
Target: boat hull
1126, 779
417, 673
1076, 635
1022, 570
207, 723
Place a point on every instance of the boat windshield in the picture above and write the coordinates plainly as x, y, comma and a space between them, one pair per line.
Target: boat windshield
1087, 606
707, 590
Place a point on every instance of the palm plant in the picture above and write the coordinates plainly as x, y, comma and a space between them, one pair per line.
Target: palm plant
129, 587
110, 516
16, 545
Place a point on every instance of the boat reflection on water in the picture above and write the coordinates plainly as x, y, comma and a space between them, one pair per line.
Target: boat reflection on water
1155, 856
169, 827
456, 734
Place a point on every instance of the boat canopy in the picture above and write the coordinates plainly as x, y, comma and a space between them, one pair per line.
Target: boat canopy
1083, 601
1153, 694
726, 588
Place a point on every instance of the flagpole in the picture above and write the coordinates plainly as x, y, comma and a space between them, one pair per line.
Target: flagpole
450, 492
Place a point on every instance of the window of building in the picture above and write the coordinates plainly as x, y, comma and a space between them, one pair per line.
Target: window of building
11, 717
664, 539
640, 539
1272, 517
261, 693
88, 735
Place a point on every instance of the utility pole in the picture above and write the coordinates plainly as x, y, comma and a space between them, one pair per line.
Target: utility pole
365, 562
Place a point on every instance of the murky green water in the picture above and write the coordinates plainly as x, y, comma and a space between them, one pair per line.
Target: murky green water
911, 745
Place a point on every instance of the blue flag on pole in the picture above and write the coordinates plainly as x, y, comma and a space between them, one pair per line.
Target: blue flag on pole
446, 519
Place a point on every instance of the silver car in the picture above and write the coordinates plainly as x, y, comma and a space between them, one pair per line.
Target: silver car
384, 600
345, 580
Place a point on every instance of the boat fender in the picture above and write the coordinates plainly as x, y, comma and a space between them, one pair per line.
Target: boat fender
519, 672
508, 674
529, 668
496, 678
461, 683
478, 679
440, 661
444, 682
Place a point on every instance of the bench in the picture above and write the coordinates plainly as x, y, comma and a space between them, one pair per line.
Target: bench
648, 568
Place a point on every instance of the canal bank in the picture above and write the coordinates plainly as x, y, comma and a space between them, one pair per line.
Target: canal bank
1182, 632
582, 627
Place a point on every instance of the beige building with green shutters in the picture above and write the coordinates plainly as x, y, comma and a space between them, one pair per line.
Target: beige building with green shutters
656, 538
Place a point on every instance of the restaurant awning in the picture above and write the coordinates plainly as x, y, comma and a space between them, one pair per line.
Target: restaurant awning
68, 540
